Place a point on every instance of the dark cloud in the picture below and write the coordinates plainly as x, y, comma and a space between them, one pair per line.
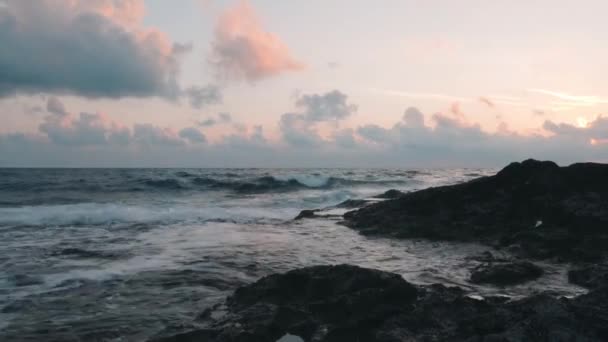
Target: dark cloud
84, 129
150, 135
345, 138
299, 128
596, 130
413, 117
329, 106
298, 132
224, 117
207, 123
54, 106
203, 96
193, 135
88, 48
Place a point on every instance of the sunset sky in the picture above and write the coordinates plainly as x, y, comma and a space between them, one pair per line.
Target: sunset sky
317, 83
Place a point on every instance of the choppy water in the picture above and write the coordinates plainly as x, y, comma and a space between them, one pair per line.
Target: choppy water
121, 254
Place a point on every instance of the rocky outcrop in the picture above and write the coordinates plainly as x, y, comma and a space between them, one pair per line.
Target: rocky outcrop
503, 274
348, 303
535, 208
306, 213
390, 194
589, 276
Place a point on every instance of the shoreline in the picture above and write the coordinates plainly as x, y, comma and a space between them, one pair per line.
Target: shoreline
458, 212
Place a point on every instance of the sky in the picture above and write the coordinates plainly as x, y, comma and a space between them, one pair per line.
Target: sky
317, 83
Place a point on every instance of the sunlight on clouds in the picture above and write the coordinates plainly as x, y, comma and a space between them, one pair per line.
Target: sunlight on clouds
582, 122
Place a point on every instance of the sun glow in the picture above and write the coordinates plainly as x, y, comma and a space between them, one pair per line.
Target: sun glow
582, 122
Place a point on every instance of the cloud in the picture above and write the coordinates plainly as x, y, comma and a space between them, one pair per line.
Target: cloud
193, 135
222, 118
54, 106
416, 140
345, 138
84, 129
595, 130
207, 123
413, 117
298, 132
150, 135
374, 133
91, 48
299, 128
329, 106
203, 96
243, 50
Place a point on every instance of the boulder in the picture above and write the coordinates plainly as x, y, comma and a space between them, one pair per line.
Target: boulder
503, 274
590, 276
307, 213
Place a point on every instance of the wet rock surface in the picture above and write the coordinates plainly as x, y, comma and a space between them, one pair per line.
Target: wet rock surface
589, 276
503, 274
536, 209
307, 213
349, 303
390, 194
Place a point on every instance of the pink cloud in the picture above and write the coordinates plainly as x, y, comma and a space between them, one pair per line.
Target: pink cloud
242, 49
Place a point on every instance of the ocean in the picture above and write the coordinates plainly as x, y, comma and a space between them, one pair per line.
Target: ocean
123, 254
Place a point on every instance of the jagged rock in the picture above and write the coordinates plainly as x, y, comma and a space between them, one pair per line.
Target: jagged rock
307, 213
503, 274
545, 210
487, 256
390, 194
348, 303
590, 276
353, 203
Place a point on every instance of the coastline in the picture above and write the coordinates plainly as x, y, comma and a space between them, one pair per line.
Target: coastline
535, 210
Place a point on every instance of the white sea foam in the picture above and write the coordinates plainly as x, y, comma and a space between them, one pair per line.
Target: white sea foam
106, 213
311, 181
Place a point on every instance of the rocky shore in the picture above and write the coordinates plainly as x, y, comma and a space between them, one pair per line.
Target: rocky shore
534, 210
349, 303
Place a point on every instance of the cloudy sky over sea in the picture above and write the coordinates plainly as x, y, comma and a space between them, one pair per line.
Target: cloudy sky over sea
301, 83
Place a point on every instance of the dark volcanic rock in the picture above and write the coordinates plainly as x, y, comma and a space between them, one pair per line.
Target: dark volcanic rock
591, 276
348, 303
390, 194
506, 273
307, 213
353, 203
538, 207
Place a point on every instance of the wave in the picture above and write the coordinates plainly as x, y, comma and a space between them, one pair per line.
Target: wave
93, 214
87, 186
288, 183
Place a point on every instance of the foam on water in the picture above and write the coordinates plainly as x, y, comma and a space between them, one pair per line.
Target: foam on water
106, 213
115, 263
